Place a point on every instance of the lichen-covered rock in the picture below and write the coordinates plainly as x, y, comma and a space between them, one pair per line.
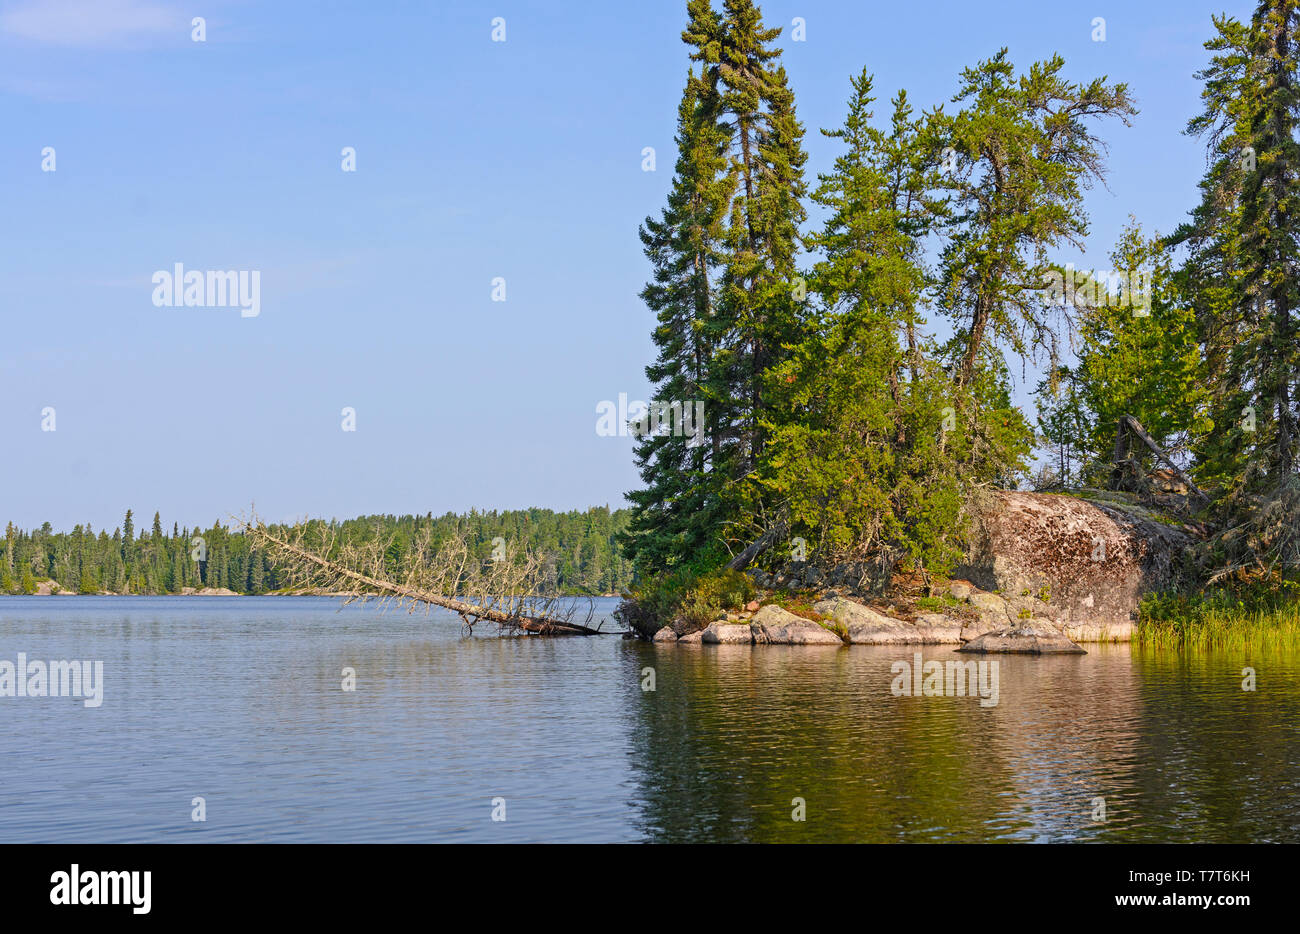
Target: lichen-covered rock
865, 626
958, 590
1022, 606
988, 605
692, 638
774, 626
1036, 637
937, 629
847, 612
665, 635
1099, 632
1093, 560
973, 629
728, 634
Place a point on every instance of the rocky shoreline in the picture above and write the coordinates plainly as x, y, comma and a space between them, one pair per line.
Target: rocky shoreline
1042, 574
982, 622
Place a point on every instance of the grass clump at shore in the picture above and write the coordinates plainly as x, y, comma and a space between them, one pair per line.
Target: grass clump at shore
1257, 615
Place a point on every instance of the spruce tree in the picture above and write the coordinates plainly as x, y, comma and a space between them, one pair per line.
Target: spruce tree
1139, 357
726, 289
1244, 249
857, 460
1242, 272
759, 304
674, 515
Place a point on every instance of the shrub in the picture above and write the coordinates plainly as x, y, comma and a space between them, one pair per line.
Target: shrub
693, 597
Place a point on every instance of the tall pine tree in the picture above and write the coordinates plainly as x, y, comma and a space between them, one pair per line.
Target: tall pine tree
1244, 273
673, 515
724, 288
1245, 259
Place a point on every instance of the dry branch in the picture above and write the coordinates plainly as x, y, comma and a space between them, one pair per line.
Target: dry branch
505, 591
1130, 427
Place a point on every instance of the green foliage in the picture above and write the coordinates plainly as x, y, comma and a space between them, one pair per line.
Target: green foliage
676, 515
712, 593
1021, 152
580, 550
89, 583
723, 258
1136, 359
937, 604
1255, 614
1063, 425
692, 597
857, 454
1244, 248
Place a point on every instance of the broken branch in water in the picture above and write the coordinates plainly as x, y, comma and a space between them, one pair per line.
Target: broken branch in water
506, 590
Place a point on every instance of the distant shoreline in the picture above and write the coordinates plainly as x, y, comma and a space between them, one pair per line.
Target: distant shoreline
187, 592
45, 590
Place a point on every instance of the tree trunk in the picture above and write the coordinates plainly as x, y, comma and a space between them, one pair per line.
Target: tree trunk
541, 625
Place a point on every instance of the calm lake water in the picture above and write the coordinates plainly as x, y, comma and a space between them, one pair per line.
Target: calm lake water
239, 700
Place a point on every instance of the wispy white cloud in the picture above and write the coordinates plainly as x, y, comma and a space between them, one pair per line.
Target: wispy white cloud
91, 23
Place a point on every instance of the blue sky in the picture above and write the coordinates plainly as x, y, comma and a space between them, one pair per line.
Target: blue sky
475, 159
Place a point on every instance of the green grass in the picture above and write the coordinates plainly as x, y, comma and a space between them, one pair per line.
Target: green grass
797, 603
1221, 620
938, 604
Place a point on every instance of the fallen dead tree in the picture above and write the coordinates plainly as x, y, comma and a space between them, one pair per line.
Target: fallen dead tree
1127, 470
764, 542
505, 590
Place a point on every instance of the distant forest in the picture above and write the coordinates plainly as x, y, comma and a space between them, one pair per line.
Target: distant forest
578, 548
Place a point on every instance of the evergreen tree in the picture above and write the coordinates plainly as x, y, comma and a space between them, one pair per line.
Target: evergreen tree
1244, 250
674, 516
1139, 357
758, 305
724, 287
859, 462
1017, 156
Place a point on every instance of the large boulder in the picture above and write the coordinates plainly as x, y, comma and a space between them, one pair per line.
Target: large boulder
989, 605
776, 626
865, 626
958, 590
665, 635
938, 629
728, 634
1093, 561
1036, 637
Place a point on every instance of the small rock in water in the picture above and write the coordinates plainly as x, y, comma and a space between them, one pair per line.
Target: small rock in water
665, 635
1034, 638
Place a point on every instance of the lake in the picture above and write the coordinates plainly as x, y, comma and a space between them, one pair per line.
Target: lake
239, 700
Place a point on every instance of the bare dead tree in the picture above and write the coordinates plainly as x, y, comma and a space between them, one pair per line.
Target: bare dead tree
1124, 460
508, 589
